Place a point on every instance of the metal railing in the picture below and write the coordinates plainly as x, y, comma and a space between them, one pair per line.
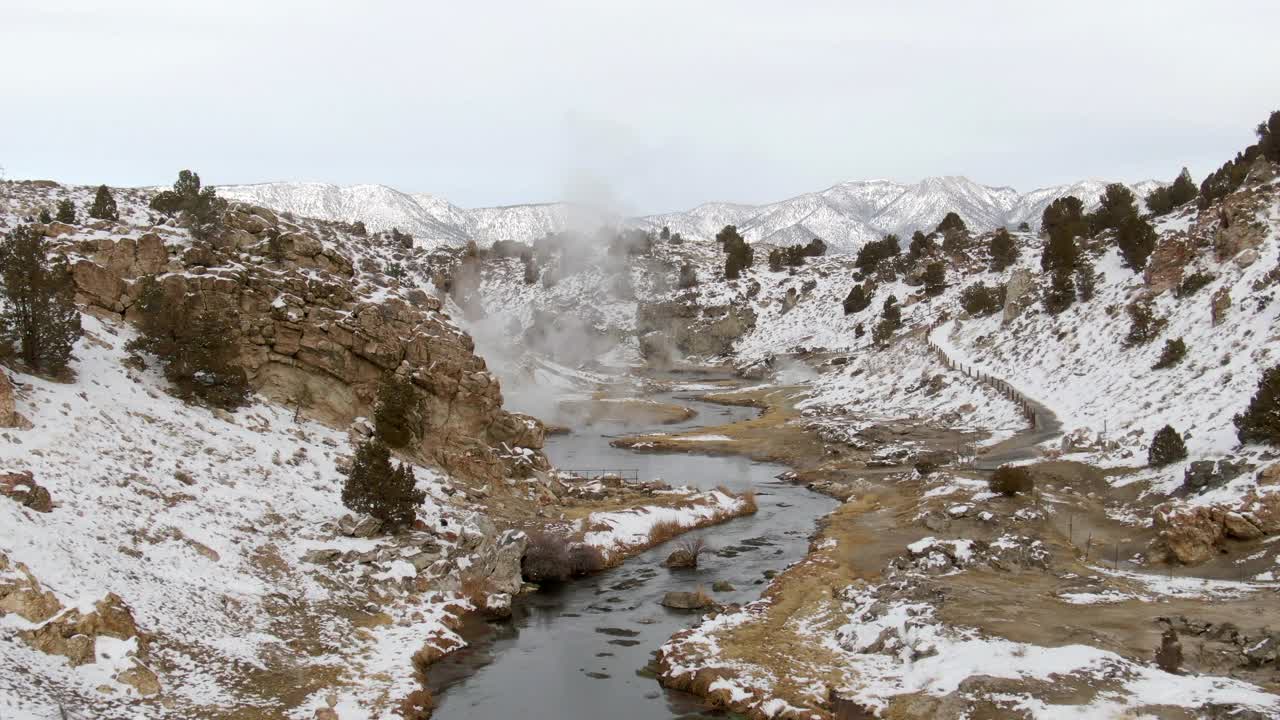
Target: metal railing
1008, 391
627, 474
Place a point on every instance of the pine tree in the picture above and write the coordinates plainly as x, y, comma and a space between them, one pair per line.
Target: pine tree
1004, 251
39, 312
200, 209
1166, 447
1260, 422
935, 278
665, 234
104, 205
66, 211
375, 487
396, 410
45, 217
1137, 240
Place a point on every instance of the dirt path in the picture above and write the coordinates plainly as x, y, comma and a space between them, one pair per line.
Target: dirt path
1045, 423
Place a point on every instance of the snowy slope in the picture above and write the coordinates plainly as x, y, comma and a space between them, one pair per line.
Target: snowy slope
846, 215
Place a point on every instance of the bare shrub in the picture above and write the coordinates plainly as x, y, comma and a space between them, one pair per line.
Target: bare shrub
585, 559
546, 558
1011, 480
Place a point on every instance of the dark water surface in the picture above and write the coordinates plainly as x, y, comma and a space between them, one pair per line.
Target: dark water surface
579, 652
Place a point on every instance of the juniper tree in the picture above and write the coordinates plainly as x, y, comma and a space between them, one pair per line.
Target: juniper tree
935, 278
738, 254
396, 411
1137, 240
1004, 251
952, 222
1166, 447
39, 313
375, 487
1172, 354
1086, 280
890, 321
775, 260
858, 299
45, 217
873, 253
1060, 252
1165, 199
1144, 326
1065, 214
194, 344
66, 211
1116, 206
1061, 293
1260, 422
199, 209
104, 205
980, 300
920, 246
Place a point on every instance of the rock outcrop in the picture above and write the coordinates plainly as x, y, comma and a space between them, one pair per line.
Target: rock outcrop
681, 326
23, 489
308, 328
1191, 535
8, 411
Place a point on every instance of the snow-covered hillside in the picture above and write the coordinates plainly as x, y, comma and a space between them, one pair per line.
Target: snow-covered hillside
846, 215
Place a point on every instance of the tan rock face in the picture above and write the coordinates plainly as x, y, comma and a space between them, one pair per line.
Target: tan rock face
1193, 534
1220, 304
1164, 270
23, 489
305, 337
8, 411
1020, 283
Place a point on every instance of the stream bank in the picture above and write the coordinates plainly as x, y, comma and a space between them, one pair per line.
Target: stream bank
580, 650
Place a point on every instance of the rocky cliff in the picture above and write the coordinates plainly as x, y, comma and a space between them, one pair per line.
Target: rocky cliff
314, 330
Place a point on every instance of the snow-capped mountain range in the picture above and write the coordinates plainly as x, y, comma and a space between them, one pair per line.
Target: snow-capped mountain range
846, 215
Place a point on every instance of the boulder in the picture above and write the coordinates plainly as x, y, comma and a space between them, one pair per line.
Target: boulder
22, 488
722, 586
1020, 283
681, 558
1239, 527
686, 600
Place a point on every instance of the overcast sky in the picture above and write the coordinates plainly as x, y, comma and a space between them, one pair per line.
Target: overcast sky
654, 105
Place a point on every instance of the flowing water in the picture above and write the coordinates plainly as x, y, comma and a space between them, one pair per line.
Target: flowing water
579, 651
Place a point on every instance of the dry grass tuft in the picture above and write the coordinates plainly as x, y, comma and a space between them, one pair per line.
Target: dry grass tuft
664, 530
748, 497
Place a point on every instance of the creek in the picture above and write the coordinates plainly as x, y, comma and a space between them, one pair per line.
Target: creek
579, 651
